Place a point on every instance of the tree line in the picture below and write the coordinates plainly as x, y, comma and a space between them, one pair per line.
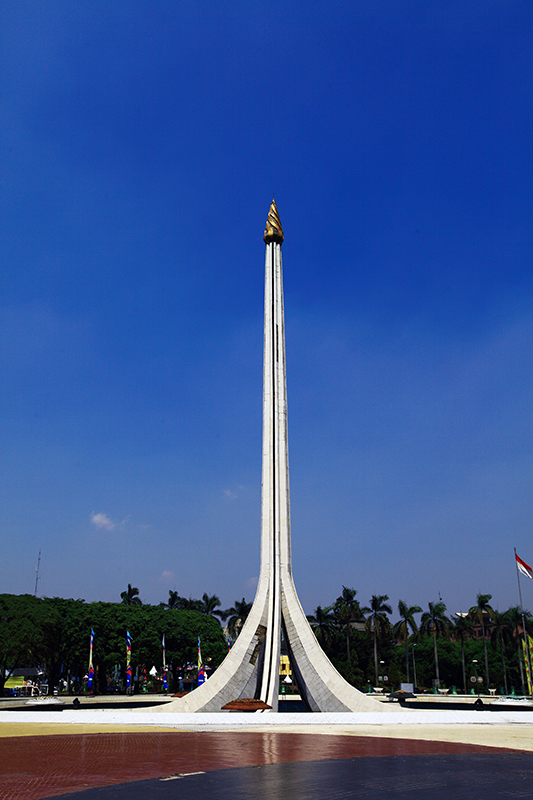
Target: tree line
234, 617
483, 647
53, 634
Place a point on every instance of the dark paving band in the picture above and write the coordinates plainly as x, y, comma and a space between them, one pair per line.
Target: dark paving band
439, 777
33, 768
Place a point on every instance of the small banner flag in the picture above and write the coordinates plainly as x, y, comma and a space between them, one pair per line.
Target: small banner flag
128, 660
229, 645
524, 568
201, 673
90, 674
165, 684
526, 659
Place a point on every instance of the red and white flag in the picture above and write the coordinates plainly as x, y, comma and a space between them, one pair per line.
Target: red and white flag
524, 568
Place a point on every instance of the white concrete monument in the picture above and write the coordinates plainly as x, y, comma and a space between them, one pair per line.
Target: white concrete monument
251, 668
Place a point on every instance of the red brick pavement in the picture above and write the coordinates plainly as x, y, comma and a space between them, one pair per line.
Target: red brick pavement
32, 768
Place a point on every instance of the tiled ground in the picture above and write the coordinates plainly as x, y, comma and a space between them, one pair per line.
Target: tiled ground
36, 767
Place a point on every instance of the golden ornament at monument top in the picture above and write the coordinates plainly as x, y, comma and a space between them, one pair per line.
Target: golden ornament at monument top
273, 229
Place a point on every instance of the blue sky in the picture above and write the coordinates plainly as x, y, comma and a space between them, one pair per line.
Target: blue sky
142, 144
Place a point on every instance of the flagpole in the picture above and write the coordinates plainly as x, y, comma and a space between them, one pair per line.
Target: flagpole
201, 673
128, 663
165, 683
530, 676
91, 671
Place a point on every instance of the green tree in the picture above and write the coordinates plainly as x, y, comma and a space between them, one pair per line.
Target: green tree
347, 610
514, 616
131, 596
18, 633
61, 624
109, 622
500, 636
323, 624
190, 604
463, 628
174, 600
482, 612
236, 617
377, 622
434, 621
182, 629
209, 604
55, 633
401, 629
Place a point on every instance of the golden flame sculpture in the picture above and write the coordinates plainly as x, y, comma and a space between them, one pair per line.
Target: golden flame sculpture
273, 229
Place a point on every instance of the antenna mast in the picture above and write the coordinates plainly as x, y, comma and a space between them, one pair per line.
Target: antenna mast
37, 573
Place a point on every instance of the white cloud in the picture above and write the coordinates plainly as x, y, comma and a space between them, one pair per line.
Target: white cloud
167, 575
103, 522
229, 494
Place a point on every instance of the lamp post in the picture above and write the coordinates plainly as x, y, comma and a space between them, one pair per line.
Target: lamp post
474, 662
414, 665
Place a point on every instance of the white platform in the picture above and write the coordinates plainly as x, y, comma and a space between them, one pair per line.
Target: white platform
220, 722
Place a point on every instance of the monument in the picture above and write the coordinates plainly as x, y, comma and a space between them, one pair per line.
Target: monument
251, 668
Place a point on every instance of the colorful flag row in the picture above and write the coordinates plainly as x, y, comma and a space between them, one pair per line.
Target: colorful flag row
129, 681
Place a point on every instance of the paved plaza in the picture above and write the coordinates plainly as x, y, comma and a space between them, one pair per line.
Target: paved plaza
99, 755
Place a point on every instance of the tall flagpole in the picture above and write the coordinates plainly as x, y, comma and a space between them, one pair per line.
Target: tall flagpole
526, 643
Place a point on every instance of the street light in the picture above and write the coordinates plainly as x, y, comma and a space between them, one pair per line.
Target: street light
414, 664
474, 662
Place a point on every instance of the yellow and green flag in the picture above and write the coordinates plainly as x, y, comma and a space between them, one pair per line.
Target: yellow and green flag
527, 660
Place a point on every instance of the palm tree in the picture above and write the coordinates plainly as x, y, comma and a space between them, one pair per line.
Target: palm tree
209, 605
481, 611
190, 604
131, 596
174, 600
347, 610
434, 621
401, 629
377, 622
323, 624
500, 634
237, 617
463, 629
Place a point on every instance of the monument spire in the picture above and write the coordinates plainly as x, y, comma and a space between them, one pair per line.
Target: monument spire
251, 668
